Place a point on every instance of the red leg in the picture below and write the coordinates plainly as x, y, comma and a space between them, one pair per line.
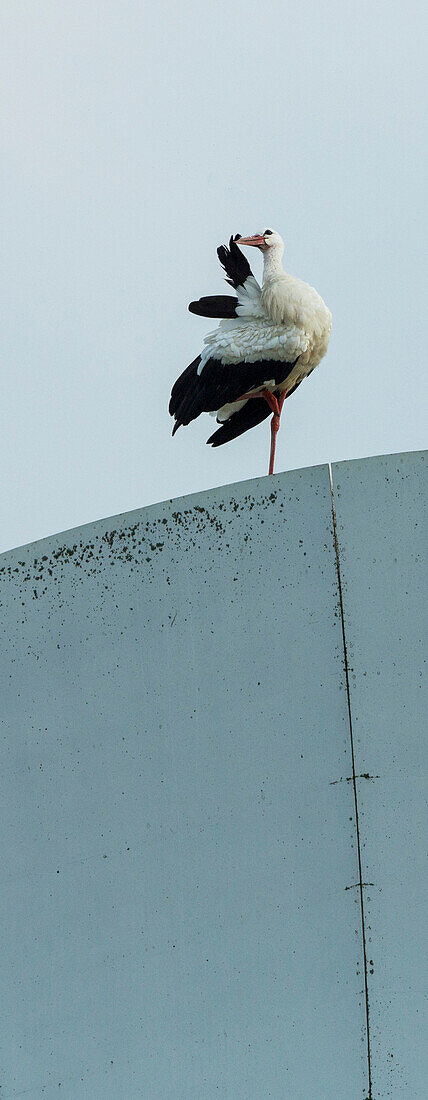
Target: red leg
281, 400
274, 428
272, 402
267, 395
275, 404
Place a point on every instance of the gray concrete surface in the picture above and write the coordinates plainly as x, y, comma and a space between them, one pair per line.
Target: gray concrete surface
383, 537
181, 909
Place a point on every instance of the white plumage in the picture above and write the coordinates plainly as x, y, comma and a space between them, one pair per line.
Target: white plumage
283, 320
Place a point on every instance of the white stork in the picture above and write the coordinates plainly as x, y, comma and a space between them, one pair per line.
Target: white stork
269, 339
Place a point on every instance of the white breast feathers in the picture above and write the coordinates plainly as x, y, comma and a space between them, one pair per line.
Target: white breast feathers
285, 321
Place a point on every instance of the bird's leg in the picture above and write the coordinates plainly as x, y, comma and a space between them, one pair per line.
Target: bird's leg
275, 404
274, 426
274, 429
267, 395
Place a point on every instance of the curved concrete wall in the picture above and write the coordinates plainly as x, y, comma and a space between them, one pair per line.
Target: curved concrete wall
213, 795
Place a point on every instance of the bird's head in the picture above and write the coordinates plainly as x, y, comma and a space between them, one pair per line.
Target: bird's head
265, 241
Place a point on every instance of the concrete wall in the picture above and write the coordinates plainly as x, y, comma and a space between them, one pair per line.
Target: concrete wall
213, 796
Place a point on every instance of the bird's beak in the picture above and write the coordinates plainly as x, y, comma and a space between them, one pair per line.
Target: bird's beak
257, 241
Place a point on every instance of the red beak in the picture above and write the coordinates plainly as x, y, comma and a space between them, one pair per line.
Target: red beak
257, 241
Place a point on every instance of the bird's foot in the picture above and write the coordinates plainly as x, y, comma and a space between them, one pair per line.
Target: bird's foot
275, 403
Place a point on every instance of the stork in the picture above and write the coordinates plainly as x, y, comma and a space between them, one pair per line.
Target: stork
269, 339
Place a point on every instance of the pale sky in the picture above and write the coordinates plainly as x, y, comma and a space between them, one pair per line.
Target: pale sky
136, 138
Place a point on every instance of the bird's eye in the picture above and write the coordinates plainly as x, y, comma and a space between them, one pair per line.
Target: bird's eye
267, 233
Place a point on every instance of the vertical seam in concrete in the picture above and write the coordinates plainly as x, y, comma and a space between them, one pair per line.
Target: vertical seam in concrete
354, 783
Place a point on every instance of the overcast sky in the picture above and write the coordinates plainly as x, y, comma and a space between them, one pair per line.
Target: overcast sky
136, 137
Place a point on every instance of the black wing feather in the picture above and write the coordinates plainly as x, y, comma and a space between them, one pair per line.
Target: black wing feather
234, 263
252, 413
237, 270
219, 384
215, 305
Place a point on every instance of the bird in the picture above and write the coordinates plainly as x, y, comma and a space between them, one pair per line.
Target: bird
269, 338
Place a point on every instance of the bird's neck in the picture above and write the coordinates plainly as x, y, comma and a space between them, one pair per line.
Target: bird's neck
272, 263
